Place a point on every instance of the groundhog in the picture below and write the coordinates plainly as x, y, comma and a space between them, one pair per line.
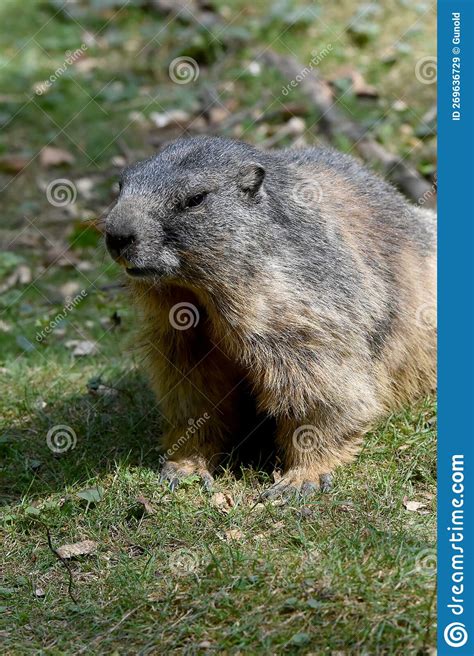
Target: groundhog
287, 285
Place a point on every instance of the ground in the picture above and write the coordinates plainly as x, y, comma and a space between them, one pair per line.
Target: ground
350, 572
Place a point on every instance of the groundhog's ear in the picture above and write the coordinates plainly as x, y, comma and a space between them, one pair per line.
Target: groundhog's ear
251, 177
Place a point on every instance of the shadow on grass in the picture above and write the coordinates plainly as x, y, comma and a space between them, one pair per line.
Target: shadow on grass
85, 436
79, 438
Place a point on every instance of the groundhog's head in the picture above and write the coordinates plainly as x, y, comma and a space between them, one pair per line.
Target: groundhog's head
194, 204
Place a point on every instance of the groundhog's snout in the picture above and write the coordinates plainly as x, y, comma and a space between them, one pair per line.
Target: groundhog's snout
122, 228
136, 242
120, 232
118, 243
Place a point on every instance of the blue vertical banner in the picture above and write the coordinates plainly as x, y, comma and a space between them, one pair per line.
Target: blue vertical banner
456, 327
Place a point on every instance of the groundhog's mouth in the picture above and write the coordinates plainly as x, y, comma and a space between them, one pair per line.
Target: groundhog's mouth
143, 272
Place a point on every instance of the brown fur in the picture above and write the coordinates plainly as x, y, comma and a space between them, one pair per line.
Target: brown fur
324, 356
208, 368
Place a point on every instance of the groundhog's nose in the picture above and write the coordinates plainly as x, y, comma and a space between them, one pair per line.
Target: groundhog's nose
118, 242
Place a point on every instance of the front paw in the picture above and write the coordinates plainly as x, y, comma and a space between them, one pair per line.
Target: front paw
173, 472
299, 484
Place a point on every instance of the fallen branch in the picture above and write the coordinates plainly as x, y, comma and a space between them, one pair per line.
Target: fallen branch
334, 122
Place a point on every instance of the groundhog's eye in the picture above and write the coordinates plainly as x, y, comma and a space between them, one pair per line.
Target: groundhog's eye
194, 201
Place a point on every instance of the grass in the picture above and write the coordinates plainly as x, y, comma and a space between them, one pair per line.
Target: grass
350, 573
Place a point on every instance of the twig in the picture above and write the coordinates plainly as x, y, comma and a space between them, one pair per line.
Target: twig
62, 560
334, 122
66, 565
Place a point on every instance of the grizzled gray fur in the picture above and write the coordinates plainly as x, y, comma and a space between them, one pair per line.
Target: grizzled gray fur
310, 288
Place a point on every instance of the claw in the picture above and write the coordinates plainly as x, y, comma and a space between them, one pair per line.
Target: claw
280, 490
308, 489
172, 474
325, 482
298, 487
207, 482
174, 483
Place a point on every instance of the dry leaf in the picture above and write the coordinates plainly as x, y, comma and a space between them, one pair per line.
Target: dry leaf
173, 117
21, 276
85, 266
70, 289
119, 161
399, 106
223, 501
81, 348
13, 163
103, 390
218, 114
83, 548
86, 64
413, 506
359, 85
361, 88
50, 156
277, 503
234, 534
5, 327
85, 186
